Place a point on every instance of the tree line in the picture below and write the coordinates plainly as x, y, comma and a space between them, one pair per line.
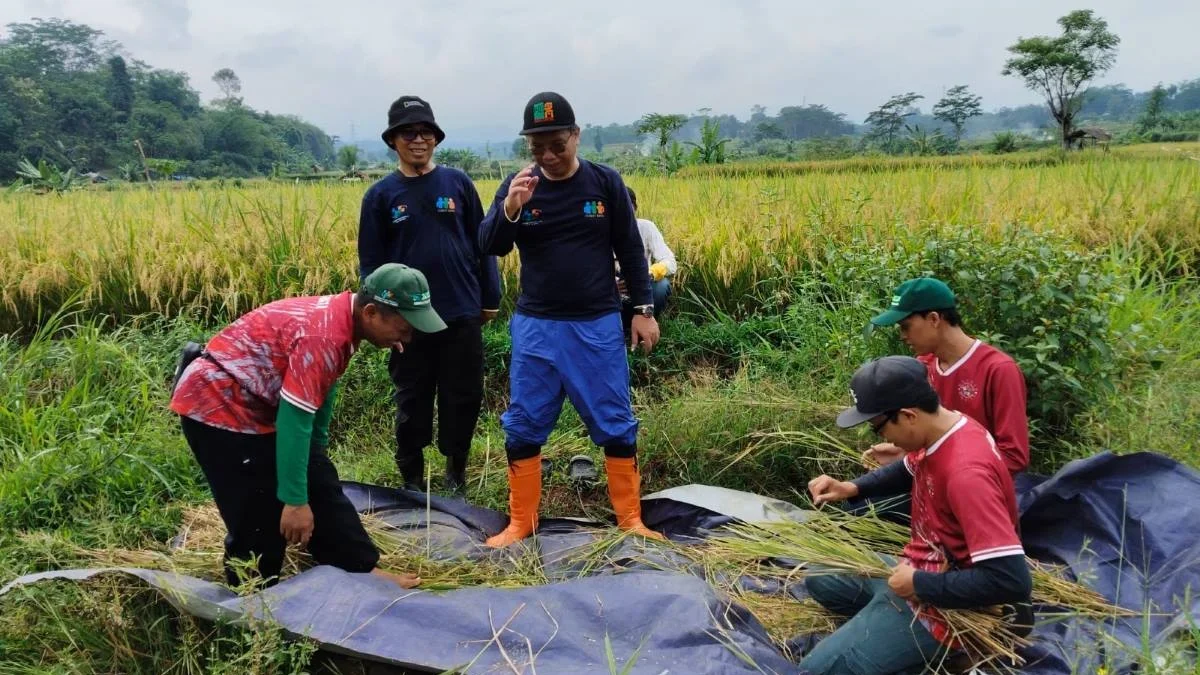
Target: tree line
72, 98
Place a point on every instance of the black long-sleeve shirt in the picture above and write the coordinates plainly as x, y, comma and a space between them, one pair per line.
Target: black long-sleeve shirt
431, 223
566, 236
990, 582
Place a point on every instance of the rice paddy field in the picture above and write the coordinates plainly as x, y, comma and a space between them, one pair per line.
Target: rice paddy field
1083, 266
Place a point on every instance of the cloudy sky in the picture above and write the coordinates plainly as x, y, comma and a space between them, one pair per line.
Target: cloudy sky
339, 64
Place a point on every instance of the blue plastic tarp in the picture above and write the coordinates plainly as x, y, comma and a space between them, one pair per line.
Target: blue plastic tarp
1128, 525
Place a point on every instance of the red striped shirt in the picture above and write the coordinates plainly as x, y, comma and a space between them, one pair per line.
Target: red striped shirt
293, 350
964, 508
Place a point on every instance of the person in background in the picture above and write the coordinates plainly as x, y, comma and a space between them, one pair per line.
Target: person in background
660, 259
969, 375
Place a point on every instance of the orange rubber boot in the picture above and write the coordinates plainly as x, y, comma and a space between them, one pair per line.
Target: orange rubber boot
524, 495
625, 491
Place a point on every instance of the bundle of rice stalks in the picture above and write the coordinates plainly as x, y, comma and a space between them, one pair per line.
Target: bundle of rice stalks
827, 452
836, 543
199, 550
784, 617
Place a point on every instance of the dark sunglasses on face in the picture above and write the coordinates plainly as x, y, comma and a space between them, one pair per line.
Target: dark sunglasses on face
410, 135
557, 147
887, 417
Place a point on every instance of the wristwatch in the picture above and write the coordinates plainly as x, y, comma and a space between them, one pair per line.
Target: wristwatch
645, 310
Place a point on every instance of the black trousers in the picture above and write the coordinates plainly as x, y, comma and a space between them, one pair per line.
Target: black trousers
449, 366
240, 469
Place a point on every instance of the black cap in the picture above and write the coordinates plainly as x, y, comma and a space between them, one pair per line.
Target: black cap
885, 385
547, 111
408, 110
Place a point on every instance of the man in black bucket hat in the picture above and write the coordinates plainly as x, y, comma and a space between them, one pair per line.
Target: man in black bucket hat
427, 216
409, 111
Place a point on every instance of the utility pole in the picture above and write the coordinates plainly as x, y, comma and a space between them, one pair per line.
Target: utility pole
145, 168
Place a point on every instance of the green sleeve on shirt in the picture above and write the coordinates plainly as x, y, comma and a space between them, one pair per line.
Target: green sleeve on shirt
293, 437
320, 431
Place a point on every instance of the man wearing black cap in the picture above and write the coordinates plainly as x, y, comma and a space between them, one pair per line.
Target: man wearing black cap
567, 217
964, 550
427, 216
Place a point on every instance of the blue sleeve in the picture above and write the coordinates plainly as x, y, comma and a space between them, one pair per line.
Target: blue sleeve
372, 236
489, 271
496, 234
627, 243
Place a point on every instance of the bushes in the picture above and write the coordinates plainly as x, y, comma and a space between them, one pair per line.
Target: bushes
1037, 296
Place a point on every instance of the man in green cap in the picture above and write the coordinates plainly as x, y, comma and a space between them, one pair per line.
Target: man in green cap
255, 408
970, 376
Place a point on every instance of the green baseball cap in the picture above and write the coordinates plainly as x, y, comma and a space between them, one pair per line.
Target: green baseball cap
405, 290
915, 295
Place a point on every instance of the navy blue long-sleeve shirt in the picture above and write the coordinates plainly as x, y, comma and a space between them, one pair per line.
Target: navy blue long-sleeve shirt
566, 236
431, 222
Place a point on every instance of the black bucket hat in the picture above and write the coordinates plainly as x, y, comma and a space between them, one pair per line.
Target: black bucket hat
408, 110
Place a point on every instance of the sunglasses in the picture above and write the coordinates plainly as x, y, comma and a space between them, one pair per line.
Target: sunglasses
557, 147
410, 135
887, 417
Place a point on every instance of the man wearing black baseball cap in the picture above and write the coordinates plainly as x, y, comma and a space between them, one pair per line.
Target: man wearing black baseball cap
964, 550
969, 375
427, 216
568, 217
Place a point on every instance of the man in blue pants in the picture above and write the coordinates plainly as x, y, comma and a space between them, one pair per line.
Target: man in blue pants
567, 217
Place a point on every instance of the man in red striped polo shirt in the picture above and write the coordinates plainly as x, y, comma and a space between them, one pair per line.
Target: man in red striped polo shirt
969, 375
964, 550
255, 408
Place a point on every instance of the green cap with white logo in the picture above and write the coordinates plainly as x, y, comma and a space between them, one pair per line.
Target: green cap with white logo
916, 295
404, 290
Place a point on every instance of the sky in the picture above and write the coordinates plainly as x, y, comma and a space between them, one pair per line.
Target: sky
340, 64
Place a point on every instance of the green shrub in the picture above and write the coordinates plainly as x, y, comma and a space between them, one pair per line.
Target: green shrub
1036, 296
1004, 142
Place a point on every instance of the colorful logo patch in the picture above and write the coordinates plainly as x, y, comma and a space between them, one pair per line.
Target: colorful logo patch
543, 112
420, 298
445, 204
531, 216
593, 209
399, 214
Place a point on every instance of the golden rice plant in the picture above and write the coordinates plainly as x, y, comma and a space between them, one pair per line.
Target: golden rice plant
219, 251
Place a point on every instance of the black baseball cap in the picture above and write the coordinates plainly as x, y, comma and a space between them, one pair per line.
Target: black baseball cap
409, 110
547, 111
885, 385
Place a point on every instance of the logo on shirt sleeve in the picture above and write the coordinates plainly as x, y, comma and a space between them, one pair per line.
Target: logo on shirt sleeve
399, 213
594, 209
445, 205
